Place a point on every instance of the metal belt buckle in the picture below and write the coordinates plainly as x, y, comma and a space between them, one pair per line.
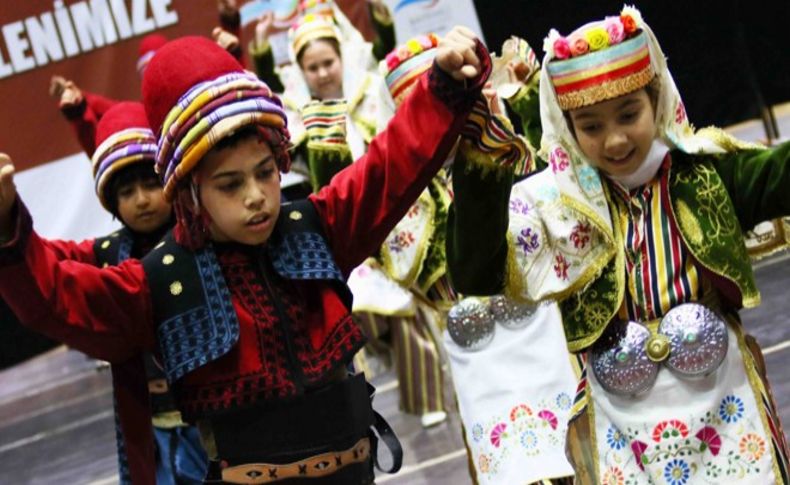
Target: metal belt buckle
698, 339
620, 361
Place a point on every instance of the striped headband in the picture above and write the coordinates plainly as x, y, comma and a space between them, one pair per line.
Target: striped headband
207, 113
599, 61
124, 148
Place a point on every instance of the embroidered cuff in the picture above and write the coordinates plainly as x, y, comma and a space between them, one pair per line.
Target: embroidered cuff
230, 21
491, 142
13, 250
460, 96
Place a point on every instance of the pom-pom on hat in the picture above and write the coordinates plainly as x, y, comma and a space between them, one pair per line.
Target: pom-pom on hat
403, 66
599, 61
195, 93
317, 7
148, 47
123, 138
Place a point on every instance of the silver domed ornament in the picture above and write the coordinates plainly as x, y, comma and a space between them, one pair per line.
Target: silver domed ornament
470, 324
698, 338
510, 314
620, 361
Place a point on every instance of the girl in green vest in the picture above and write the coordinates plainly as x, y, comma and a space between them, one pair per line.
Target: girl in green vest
636, 230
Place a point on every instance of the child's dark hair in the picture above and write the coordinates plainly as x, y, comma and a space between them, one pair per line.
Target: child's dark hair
276, 141
136, 172
334, 43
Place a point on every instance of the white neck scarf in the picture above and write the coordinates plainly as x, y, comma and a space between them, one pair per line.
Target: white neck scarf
646, 171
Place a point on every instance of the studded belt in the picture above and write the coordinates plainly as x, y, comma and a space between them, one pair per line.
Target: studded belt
314, 466
472, 321
690, 340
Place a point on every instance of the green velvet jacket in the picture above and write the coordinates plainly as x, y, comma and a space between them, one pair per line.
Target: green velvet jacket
713, 198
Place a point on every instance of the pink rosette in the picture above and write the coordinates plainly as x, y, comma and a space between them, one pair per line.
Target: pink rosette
578, 45
614, 27
562, 49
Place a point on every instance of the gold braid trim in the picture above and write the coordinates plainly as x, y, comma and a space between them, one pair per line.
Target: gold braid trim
606, 90
727, 141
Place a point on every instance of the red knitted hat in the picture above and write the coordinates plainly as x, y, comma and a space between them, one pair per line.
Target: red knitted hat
123, 138
151, 43
176, 68
148, 47
121, 116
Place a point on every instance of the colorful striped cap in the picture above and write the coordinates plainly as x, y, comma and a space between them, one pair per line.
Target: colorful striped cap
310, 28
123, 138
403, 66
599, 61
195, 94
316, 7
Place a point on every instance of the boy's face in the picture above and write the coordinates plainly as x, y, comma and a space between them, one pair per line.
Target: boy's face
142, 206
240, 189
323, 70
617, 134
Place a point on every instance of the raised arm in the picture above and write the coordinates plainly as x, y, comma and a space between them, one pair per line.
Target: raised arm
104, 313
365, 201
758, 182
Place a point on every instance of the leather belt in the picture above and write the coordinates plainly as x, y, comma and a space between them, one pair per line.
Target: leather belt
314, 466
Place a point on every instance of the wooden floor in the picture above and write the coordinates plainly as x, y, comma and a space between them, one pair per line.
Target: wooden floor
56, 424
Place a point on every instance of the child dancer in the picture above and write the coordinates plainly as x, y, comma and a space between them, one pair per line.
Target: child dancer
245, 302
636, 230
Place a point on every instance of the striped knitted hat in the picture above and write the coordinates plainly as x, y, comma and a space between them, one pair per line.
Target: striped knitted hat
195, 94
406, 63
123, 138
310, 28
599, 61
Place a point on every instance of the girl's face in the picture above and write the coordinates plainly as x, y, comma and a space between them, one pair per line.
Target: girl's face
240, 190
617, 134
323, 70
142, 205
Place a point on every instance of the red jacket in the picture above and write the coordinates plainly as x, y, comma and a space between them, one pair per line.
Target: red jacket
107, 313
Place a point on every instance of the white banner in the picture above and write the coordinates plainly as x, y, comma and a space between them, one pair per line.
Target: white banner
417, 17
62, 200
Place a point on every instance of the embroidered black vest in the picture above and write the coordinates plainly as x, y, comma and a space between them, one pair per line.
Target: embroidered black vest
195, 318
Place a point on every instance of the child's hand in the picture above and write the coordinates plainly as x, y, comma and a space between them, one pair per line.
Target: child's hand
225, 39
264, 28
457, 55
492, 100
56, 86
7, 196
67, 93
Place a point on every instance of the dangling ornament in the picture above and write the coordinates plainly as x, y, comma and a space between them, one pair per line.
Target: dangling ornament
470, 324
510, 314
